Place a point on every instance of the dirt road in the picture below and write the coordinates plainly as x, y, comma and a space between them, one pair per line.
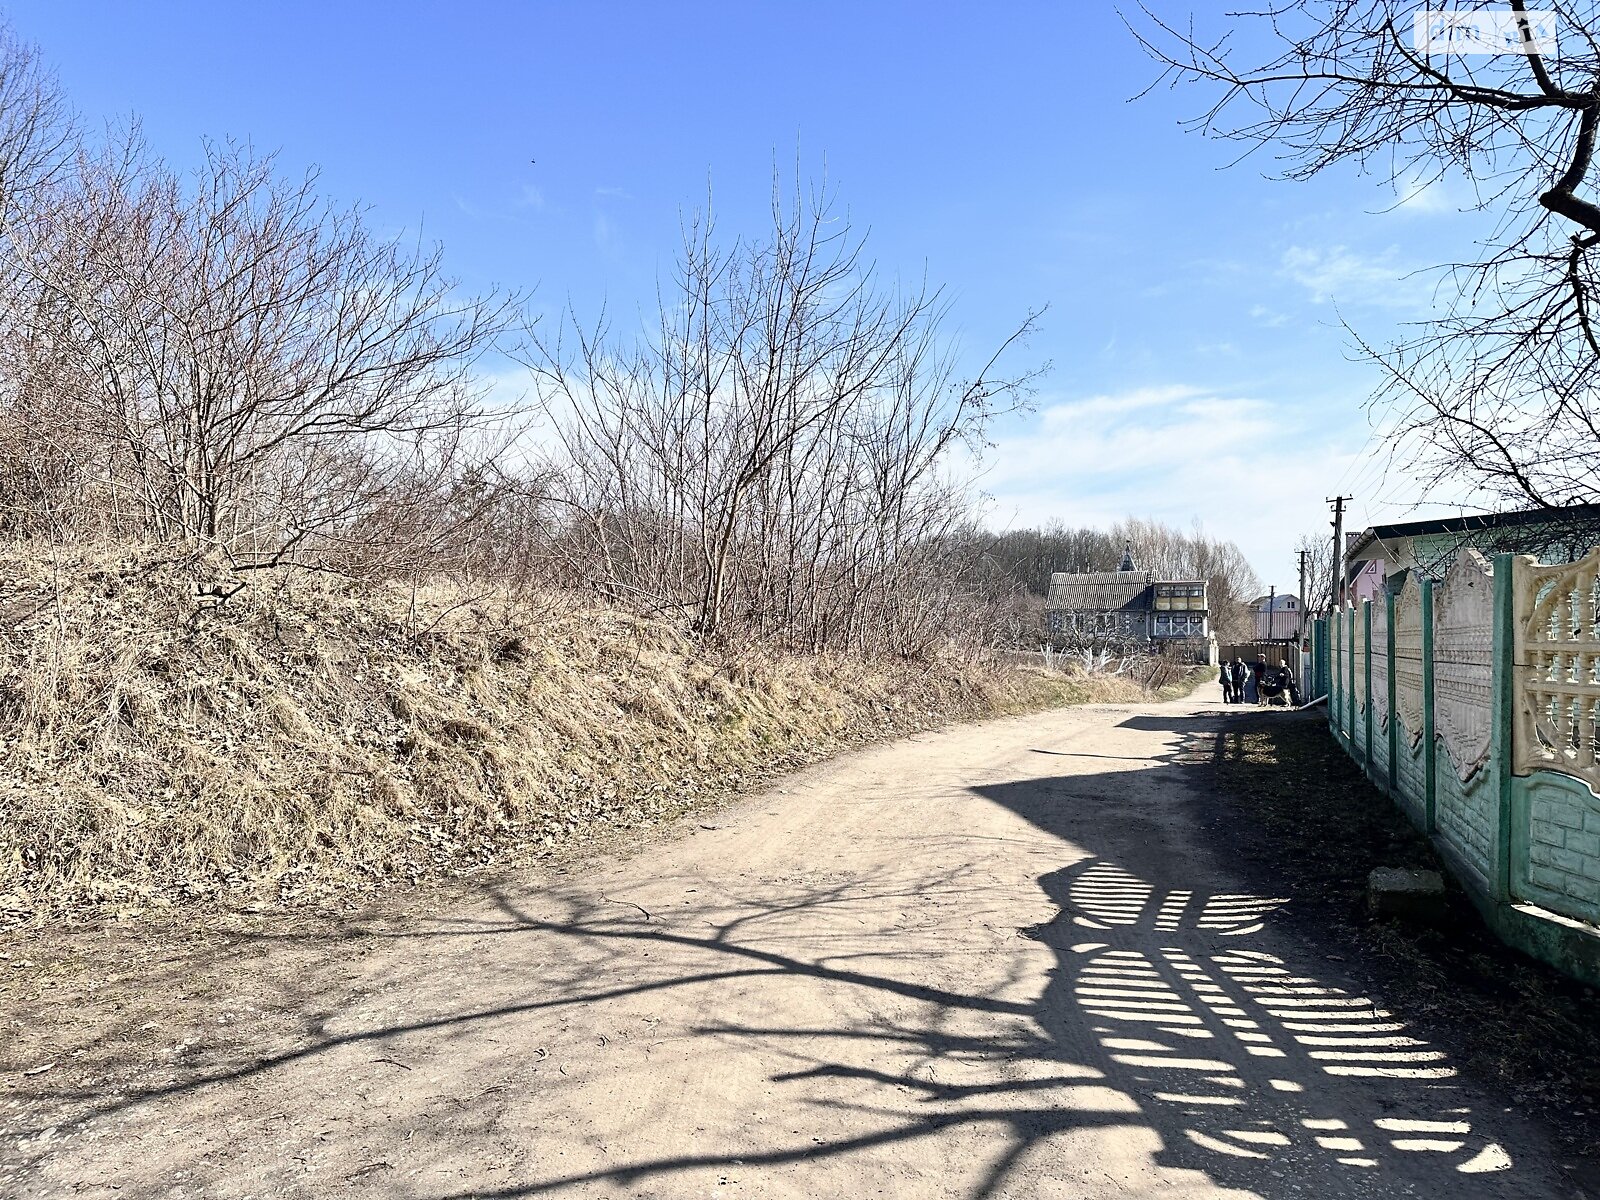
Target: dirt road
990, 961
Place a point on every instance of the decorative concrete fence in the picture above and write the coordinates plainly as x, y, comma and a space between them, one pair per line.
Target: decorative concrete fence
1475, 704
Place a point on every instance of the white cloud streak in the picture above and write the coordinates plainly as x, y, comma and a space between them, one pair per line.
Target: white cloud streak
1343, 276
1244, 466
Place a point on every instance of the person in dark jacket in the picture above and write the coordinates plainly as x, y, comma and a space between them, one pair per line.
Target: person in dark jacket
1225, 678
1290, 687
1239, 673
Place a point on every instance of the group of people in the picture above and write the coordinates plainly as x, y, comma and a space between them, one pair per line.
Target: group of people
1257, 682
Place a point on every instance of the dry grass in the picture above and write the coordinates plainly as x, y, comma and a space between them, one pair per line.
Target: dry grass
306, 735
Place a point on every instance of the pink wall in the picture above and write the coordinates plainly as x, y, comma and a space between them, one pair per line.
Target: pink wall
1369, 584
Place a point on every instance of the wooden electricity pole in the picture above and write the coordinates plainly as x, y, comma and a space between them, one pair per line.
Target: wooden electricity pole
1338, 549
1300, 628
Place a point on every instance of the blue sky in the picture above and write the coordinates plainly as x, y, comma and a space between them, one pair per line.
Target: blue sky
1199, 368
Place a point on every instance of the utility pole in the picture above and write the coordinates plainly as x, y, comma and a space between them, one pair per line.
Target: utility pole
1272, 611
1338, 503
1300, 628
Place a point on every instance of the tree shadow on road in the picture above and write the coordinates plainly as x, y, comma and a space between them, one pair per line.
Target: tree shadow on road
1176, 1026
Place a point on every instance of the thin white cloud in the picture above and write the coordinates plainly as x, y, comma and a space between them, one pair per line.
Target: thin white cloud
1244, 466
605, 235
1420, 197
1348, 277
511, 389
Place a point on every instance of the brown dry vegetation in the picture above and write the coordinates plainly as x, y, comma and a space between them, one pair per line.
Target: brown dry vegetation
310, 735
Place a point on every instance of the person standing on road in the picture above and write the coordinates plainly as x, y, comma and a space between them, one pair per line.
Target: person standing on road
1291, 689
1225, 678
1252, 689
1238, 680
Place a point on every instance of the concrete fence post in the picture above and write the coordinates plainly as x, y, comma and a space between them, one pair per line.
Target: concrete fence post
1388, 676
1366, 682
1429, 749
1501, 708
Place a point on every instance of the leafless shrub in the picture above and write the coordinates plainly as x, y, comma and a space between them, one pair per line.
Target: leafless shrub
230, 359
774, 460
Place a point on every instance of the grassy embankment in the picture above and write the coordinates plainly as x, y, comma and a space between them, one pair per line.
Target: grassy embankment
308, 736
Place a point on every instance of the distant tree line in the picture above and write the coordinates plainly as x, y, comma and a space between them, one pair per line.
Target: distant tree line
1028, 557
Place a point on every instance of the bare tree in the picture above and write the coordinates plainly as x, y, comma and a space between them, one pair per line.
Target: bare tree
38, 143
254, 368
38, 134
1318, 549
774, 458
1503, 388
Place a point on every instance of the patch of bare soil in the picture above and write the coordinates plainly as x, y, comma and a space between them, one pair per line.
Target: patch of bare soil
1294, 810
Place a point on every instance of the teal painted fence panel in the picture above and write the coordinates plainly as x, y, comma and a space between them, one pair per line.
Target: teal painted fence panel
1364, 681
1430, 742
1333, 630
1319, 658
1349, 680
1555, 844
1464, 817
1501, 725
1515, 842
1411, 776
1378, 764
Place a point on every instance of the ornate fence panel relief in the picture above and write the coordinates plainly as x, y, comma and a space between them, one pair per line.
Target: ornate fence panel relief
1463, 667
1557, 667
1380, 664
1408, 659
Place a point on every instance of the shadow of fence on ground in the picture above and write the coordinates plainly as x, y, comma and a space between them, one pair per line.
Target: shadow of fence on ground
1172, 1028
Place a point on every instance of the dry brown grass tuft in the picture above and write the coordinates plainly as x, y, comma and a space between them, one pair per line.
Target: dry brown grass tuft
159, 743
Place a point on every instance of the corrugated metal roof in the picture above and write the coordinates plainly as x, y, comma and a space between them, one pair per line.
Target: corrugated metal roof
1099, 591
1357, 543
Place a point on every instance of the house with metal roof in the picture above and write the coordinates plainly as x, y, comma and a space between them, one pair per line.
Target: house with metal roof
1277, 617
1126, 606
1429, 547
